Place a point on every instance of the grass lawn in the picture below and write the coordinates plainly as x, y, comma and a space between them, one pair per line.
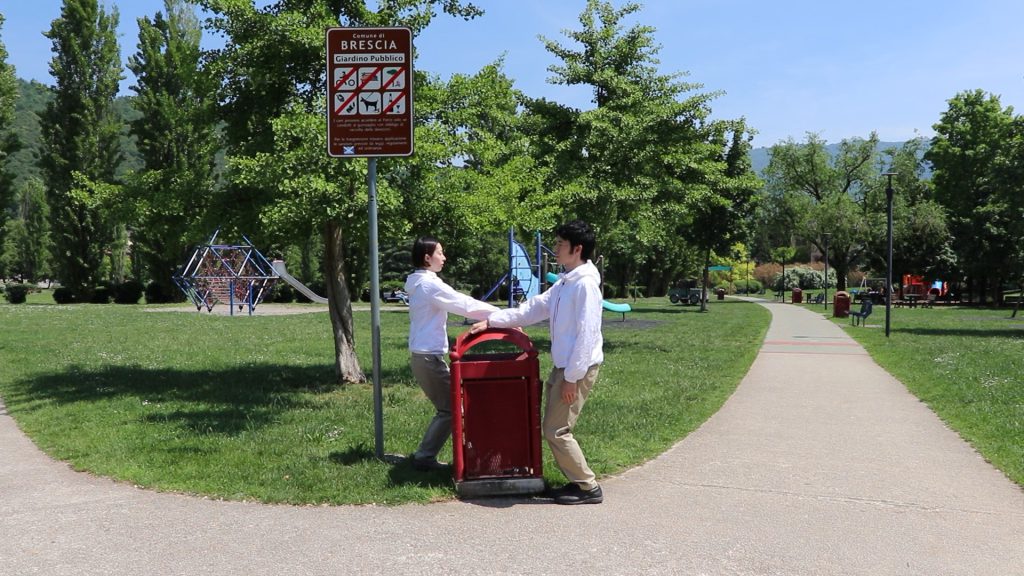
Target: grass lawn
967, 364
246, 408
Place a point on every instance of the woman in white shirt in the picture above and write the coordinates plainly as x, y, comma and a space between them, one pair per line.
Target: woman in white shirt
430, 301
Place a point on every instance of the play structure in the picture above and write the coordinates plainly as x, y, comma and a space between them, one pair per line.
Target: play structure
281, 271
524, 277
233, 274
916, 285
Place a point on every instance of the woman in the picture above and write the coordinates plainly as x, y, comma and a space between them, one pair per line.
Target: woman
430, 301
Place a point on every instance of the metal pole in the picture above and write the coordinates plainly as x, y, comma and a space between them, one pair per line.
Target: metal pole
888, 269
511, 266
826, 269
378, 404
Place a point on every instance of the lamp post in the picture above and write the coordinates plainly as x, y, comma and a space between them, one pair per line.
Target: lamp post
826, 235
888, 267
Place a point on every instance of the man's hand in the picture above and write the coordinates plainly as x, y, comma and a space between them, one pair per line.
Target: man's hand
478, 327
569, 391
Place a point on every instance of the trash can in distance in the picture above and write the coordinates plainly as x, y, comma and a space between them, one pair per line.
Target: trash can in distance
841, 304
496, 430
798, 296
721, 293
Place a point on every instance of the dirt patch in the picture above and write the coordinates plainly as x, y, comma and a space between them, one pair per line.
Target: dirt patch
261, 310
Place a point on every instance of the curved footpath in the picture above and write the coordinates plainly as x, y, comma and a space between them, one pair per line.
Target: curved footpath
820, 463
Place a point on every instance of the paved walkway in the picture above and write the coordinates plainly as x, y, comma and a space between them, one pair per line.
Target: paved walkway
820, 463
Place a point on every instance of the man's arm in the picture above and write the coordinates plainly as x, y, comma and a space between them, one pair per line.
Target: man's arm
532, 311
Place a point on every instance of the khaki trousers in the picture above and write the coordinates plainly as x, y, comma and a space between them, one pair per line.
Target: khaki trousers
559, 419
434, 377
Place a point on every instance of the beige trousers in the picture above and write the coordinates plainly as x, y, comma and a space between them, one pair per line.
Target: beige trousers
434, 377
559, 419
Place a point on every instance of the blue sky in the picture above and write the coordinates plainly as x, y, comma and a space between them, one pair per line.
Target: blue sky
839, 69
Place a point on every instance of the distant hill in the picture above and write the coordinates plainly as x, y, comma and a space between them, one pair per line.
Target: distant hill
759, 156
32, 100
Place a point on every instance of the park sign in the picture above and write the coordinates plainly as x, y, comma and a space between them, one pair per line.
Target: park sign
369, 92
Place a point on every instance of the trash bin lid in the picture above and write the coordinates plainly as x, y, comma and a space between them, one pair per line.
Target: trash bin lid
465, 341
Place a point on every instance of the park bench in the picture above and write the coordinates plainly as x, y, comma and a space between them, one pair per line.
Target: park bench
819, 298
861, 317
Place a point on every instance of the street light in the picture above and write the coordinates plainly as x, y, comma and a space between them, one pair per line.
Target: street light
888, 268
826, 235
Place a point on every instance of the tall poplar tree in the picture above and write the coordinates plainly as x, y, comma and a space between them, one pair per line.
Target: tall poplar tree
8, 141
81, 149
176, 137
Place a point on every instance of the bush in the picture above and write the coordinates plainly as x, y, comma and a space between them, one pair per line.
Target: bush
63, 295
281, 293
741, 286
610, 291
16, 293
101, 295
128, 292
157, 293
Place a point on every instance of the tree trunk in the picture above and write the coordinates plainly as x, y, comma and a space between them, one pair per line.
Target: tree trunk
704, 284
1016, 305
339, 302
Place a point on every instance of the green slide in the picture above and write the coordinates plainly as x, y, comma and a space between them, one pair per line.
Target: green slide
610, 306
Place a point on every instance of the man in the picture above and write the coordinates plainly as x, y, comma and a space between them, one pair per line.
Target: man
573, 305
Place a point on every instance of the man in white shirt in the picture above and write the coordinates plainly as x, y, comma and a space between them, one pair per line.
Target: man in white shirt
573, 306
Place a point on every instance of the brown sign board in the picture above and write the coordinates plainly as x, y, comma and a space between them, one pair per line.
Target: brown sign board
369, 92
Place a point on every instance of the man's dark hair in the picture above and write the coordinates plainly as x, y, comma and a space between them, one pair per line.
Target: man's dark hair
421, 248
578, 233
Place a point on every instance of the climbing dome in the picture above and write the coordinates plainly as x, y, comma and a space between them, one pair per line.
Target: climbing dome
233, 274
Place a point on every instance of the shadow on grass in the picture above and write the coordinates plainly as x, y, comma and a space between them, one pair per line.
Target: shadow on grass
1017, 332
228, 402
401, 472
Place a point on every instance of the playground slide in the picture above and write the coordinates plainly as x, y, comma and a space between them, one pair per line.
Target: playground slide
283, 273
610, 306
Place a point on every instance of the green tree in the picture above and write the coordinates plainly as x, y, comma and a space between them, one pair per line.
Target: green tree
814, 193
973, 137
26, 248
81, 132
628, 164
473, 176
921, 241
718, 208
272, 92
1010, 196
8, 140
177, 139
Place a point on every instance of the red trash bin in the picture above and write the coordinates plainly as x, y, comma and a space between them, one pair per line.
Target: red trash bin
841, 304
798, 296
496, 432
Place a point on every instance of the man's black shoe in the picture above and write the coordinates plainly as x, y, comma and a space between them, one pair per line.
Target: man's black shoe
553, 493
577, 495
427, 464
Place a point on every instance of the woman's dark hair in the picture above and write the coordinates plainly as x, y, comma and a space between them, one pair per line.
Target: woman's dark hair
578, 233
421, 248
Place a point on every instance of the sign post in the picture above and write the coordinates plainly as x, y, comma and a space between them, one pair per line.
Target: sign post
369, 115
